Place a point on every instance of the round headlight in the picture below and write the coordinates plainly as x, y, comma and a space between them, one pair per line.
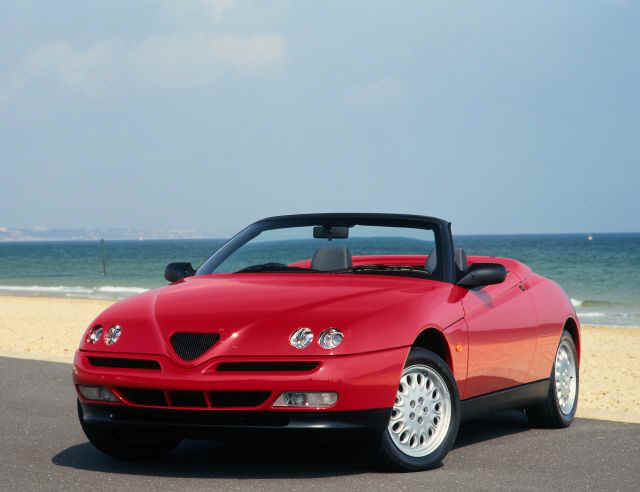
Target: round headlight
95, 334
113, 334
301, 338
330, 339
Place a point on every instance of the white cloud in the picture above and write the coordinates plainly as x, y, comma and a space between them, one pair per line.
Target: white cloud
375, 93
213, 10
190, 61
86, 70
189, 57
197, 60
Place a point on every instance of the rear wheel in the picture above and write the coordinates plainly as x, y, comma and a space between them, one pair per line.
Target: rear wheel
125, 444
425, 417
559, 409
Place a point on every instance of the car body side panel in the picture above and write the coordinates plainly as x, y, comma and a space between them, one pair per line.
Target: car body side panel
457, 336
502, 336
553, 309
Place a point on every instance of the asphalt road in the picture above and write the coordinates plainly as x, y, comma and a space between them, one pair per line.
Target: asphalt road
43, 448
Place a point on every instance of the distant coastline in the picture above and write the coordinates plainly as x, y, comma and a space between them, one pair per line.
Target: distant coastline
29, 234
46, 234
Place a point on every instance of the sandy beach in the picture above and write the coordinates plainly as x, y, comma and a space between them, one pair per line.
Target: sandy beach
50, 329
45, 328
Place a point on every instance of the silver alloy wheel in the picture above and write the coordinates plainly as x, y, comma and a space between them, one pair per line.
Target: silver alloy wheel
566, 383
421, 413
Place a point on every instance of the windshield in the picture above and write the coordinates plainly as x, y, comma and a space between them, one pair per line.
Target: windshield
322, 248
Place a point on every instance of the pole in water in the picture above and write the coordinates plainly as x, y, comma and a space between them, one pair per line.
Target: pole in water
104, 258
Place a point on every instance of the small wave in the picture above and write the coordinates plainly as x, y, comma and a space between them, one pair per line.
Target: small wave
114, 289
591, 303
592, 315
41, 288
106, 291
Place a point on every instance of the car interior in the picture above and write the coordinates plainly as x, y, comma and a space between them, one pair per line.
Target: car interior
331, 258
337, 258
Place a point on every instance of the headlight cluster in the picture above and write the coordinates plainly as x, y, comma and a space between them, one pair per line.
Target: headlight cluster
328, 339
111, 337
94, 334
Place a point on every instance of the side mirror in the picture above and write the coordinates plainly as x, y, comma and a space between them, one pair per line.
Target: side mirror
174, 272
481, 274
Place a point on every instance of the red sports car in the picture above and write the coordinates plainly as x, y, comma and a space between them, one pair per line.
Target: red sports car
367, 323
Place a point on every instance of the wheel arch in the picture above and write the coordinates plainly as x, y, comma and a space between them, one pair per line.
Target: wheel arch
434, 340
573, 328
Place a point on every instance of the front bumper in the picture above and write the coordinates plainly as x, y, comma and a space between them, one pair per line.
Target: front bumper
192, 424
362, 381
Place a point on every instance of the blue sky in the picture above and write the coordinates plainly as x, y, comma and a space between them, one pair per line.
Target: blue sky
499, 116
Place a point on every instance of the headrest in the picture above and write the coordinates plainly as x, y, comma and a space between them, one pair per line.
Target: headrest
432, 262
331, 258
459, 257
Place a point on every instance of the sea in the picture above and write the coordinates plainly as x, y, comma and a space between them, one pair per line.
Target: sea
600, 273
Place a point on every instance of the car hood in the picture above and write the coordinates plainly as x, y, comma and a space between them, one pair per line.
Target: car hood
255, 314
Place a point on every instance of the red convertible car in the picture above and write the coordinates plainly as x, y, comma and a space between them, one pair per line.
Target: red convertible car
367, 323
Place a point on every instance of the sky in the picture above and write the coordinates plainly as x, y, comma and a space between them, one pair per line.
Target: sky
502, 117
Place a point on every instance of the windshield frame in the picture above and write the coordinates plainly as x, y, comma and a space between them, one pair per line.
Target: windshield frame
441, 230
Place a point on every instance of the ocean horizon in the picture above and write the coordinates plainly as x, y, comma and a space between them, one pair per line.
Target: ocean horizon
597, 273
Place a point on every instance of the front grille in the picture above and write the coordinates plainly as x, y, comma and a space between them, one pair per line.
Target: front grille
193, 399
124, 363
187, 399
266, 366
139, 396
222, 399
190, 346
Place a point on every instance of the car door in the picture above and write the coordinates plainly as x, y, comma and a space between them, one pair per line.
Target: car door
501, 321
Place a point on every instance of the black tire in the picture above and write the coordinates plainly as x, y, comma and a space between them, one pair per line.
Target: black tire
126, 444
548, 413
390, 456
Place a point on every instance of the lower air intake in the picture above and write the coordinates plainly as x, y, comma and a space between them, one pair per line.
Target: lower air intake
120, 363
140, 396
190, 346
266, 366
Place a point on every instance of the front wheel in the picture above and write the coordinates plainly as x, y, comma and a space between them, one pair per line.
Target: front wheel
425, 417
559, 409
